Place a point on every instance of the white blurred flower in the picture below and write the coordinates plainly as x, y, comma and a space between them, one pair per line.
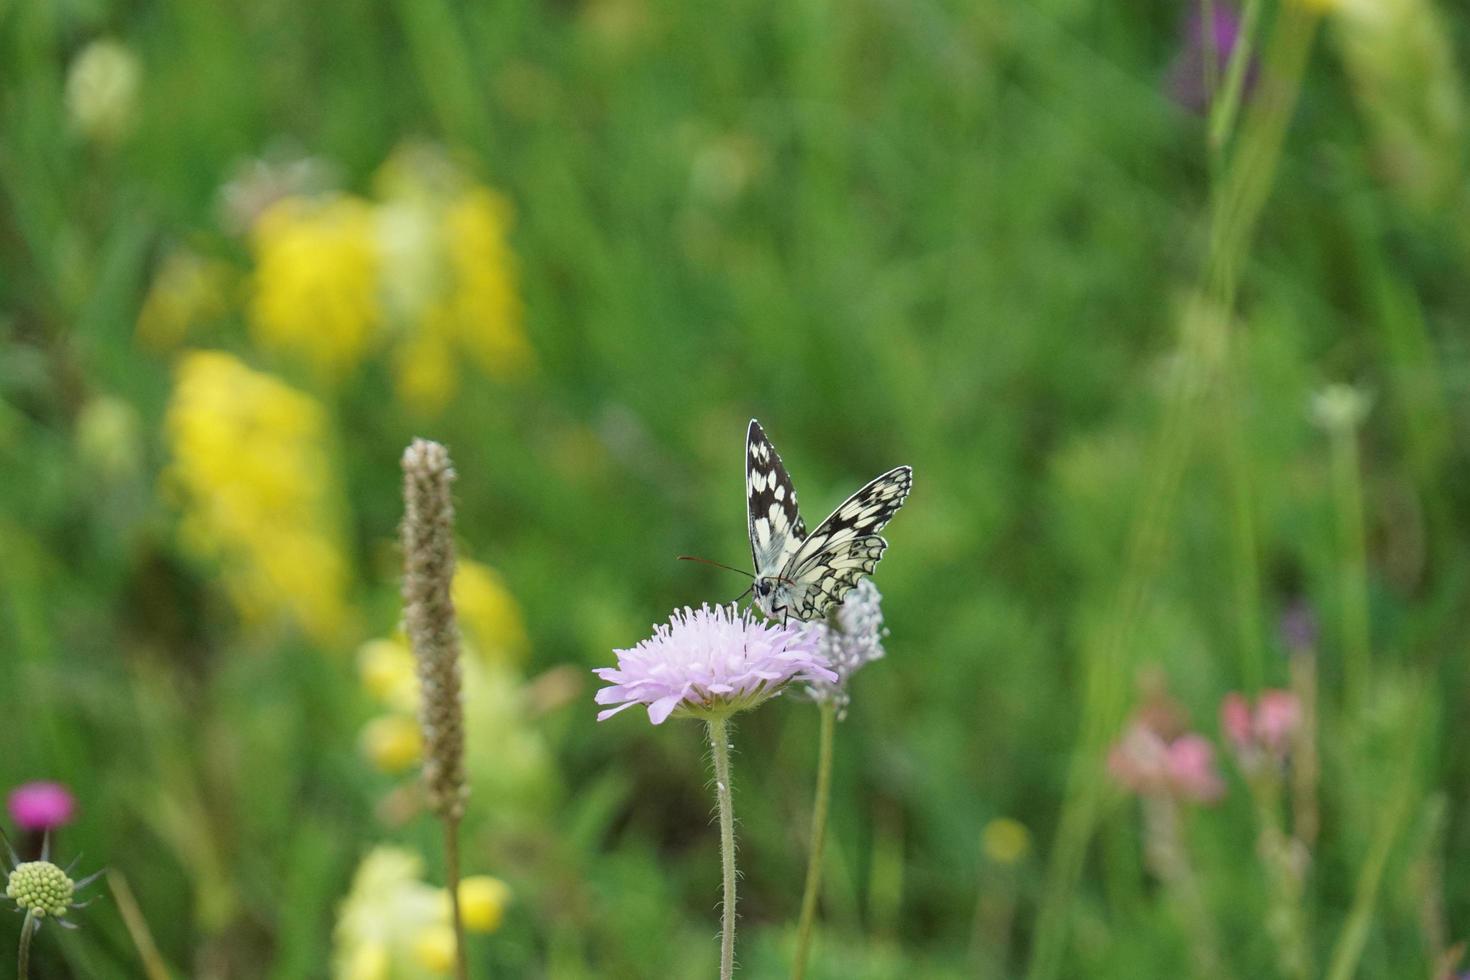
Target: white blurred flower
1341, 407
102, 90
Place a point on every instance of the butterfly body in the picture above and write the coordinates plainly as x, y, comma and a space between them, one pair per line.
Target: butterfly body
800, 575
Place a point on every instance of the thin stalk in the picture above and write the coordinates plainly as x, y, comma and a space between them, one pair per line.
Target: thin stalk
1349, 948
137, 926
1224, 109
451, 881
720, 748
1245, 560
818, 841
26, 932
1353, 584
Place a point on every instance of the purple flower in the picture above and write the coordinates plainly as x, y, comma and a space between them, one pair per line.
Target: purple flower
854, 638
1187, 75
1299, 627
41, 805
710, 663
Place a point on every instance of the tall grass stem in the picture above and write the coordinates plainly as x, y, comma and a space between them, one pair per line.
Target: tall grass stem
818, 839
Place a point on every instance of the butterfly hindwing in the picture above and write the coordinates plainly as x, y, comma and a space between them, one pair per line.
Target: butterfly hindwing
827, 580
776, 528
846, 546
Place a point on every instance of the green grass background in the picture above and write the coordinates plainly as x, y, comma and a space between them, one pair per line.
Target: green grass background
969, 244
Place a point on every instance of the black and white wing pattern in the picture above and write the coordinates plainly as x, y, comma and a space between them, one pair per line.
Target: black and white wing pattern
776, 528
844, 547
799, 575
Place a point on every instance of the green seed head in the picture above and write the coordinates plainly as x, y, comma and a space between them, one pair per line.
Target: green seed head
40, 888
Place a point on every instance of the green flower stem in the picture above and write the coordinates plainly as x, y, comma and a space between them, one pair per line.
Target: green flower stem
451, 875
26, 932
1353, 576
818, 841
720, 747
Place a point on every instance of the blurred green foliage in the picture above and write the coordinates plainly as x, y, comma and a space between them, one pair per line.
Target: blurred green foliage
964, 237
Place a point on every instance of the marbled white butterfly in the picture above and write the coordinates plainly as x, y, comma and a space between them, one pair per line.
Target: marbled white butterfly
800, 575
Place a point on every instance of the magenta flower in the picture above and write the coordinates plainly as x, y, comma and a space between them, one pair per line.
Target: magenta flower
710, 663
41, 806
1146, 763
1188, 73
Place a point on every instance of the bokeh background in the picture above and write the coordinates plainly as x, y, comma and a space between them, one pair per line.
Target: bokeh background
1168, 368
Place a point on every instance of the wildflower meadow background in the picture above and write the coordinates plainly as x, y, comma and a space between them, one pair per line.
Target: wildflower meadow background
1165, 304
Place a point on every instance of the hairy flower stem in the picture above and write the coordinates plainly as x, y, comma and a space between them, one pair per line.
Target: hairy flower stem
26, 932
818, 841
719, 743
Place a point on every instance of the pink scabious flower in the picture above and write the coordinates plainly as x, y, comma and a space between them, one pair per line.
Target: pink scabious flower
41, 805
710, 663
1148, 764
1264, 731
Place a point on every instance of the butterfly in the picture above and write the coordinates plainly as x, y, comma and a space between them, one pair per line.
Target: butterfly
800, 575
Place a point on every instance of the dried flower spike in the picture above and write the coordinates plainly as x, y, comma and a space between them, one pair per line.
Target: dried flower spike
428, 613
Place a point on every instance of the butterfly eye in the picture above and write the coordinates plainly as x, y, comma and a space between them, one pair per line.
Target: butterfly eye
764, 588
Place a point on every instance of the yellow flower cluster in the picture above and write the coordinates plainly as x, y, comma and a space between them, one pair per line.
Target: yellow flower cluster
250, 473
425, 270
316, 281
451, 276
395, 926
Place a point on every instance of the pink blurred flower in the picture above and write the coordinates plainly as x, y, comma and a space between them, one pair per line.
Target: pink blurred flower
1264, 731
1145, 763
41, 805
1192, 773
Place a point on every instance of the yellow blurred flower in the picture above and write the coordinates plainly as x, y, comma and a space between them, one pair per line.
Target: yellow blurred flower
367, 962
393, 742
484, 306
316, 281
389, 910
449, 276
434, 948
250, 474
1005, 841
488, 613
102, 90
482, 902
189, 289
388, 672
108, 434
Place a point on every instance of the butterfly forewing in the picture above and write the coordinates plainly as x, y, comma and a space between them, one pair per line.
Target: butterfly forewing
776, 528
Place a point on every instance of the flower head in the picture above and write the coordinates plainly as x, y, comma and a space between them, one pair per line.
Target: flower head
853, 638
1263, 732
710, 663
1005, 841
1298, 627
102, 90
40, 889
41, 805
1203, 41
1148, 764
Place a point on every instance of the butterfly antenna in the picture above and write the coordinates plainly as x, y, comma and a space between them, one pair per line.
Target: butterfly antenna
717, 564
